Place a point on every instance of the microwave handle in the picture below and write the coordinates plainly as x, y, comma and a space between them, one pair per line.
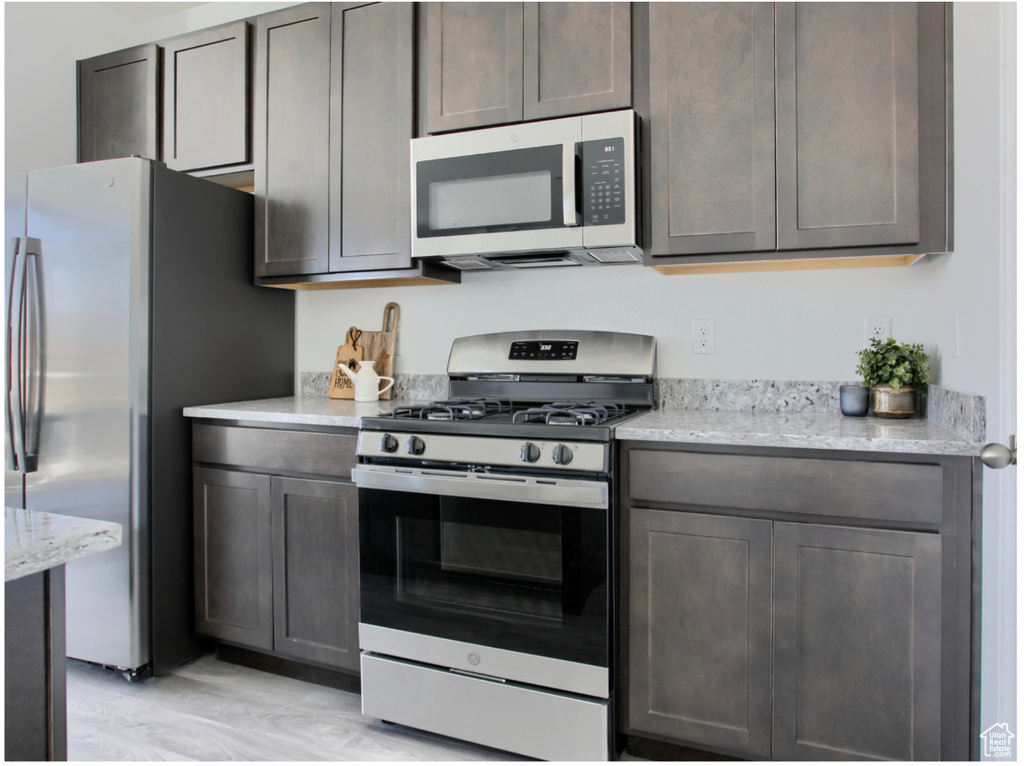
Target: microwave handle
570, 214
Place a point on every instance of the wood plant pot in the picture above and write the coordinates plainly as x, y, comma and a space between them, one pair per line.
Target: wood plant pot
888, 402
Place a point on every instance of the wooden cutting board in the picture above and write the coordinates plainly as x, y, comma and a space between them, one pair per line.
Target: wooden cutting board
380, 346
342, 386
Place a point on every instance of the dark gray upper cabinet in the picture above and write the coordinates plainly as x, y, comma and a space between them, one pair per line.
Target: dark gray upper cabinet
206, 98
333, 115
316, 573
576, 58
712, 127
795, 131
371, 124
472, 65
119, 105
291, 146
700, 628
497, 63
848, 108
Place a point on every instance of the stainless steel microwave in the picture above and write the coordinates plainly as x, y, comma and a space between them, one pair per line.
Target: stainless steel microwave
554, 193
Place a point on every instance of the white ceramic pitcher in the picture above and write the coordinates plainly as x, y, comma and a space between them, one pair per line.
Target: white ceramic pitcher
367, 381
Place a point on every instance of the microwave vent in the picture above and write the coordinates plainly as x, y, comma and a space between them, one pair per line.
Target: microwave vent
469, 263
614, 256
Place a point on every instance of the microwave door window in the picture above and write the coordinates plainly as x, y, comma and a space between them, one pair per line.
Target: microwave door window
513, 200
514, 190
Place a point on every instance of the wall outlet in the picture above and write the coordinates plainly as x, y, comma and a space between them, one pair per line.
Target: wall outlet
703, 336
877, 327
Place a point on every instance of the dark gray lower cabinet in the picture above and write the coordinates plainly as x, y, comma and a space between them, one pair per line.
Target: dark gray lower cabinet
276, 556
234, 585
857, 643
798, 604
316, 582
700, 628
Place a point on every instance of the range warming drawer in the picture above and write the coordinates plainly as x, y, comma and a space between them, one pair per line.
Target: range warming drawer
504, 715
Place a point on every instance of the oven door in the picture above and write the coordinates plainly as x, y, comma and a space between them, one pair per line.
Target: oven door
472, 578
497, 190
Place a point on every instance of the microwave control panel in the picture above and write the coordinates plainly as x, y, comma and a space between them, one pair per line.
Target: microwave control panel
603, 166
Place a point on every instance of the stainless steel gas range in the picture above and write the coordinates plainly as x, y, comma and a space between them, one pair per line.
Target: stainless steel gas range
487, 544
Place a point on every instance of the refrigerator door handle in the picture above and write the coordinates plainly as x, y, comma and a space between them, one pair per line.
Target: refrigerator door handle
35, 364
15, 409
26, 355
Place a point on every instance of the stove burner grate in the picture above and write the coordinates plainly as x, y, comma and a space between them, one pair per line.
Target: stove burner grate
569, 413
454, 409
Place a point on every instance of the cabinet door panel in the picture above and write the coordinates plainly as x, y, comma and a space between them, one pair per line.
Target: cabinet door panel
119, 105
700, 629
372, 122
233, 587
847, 124
316, 573
291, 143
857, 650
576, 58
473, 65
206, 98
712, 127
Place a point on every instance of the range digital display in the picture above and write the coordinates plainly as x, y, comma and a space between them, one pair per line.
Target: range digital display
544, 349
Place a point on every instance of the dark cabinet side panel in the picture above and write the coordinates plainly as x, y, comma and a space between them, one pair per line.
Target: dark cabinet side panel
473, 65
371, 124
233, 558
206, 98
712, 127
857, 644
119, 105
316, 571
576, 58
700, 629
290, 140
848, 106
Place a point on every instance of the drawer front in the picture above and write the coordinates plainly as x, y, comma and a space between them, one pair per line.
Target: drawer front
885, 491
301, 452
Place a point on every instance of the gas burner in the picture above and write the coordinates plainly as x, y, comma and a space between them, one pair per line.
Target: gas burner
454, 409
569, 413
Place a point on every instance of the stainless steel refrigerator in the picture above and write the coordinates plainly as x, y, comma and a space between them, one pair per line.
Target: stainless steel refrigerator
129, 295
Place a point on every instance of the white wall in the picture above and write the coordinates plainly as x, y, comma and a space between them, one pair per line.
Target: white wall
787, 325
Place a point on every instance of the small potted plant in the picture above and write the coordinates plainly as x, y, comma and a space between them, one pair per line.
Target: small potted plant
895, 372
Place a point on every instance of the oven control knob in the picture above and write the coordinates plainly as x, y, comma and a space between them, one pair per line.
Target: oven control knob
415, 446
388, 443
562, 455
529, 453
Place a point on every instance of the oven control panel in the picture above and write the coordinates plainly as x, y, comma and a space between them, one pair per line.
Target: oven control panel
485, 451
544, 349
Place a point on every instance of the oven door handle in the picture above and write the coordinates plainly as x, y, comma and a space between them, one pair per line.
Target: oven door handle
522, 489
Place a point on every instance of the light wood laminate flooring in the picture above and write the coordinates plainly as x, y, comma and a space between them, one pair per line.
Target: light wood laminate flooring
209, 710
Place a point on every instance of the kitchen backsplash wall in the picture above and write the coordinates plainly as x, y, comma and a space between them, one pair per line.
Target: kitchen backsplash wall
960, 412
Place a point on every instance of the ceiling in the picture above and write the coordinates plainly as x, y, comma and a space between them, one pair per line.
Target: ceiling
141, 12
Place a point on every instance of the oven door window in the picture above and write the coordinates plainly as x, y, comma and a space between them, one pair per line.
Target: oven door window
513, 190
523, 577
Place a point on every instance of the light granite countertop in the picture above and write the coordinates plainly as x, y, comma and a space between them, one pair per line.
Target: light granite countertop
35, 541
296, 410
806, 430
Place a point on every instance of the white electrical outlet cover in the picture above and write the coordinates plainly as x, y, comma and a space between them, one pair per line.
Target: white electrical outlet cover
703, 336
877, 327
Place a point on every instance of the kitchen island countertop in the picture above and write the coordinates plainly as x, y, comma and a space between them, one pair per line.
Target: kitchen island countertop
35, 541
799, 430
